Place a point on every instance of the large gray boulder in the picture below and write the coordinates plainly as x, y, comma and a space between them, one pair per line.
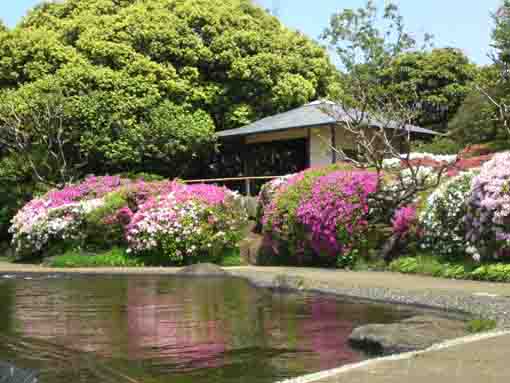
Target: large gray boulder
416, 333
203, 270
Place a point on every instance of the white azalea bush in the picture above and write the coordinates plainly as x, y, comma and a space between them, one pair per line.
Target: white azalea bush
442, 220
393, 163
488, 218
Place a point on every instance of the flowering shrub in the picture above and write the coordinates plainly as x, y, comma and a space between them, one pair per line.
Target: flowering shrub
442, 219
177, 220
488, 218
59, 215
422, 159
187, 223
322, 211
404, 220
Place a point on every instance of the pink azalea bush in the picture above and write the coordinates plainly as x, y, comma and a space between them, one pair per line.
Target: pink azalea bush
404, 220
488, 217
187, 223
179, 221
322, 211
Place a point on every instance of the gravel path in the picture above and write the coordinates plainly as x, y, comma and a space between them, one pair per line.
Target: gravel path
480, 299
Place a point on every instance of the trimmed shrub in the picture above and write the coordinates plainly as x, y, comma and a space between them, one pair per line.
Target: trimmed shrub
115, 257
189, 224
435, 267
488, 217
442, 218
321, 213
175, 223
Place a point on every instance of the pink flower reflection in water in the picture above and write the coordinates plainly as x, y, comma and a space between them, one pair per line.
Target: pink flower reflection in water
166, 327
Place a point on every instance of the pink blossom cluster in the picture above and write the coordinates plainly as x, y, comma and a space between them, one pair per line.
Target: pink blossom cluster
336, 211
189, 221
331, 209
404, 220
488, 218
58, 214
204, 215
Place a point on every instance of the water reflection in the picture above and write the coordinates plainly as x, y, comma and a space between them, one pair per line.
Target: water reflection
169, 329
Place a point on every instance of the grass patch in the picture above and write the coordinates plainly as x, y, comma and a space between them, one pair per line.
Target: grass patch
231, 258
437, 267
115, 257
476, 326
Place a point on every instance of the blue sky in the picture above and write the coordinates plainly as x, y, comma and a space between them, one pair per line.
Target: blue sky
464, 24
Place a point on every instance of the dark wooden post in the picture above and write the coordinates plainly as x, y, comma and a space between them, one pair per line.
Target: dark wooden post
246, 156
333, 144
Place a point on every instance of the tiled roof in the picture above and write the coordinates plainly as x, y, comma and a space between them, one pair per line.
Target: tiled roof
313, 114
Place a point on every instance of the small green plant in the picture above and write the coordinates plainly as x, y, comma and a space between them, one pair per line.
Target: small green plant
438, 267
476, 326
115, 257
347, 260
232, 257
439, 145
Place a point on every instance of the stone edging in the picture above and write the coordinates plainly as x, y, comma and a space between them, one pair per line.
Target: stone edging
405, 356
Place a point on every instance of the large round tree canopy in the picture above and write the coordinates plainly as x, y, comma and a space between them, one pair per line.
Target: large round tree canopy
119, 63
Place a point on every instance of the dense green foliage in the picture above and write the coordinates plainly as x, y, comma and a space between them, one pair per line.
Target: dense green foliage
144, 84
436, 267
476, 120
437, 82
438, 145
485, 115
384, 64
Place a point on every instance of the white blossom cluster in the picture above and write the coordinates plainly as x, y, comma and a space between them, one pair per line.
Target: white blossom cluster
392, 163
442, 220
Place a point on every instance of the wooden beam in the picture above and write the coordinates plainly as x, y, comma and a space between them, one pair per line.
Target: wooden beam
231, 179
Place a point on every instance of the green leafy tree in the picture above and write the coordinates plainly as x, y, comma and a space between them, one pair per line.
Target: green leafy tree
144, 84
229, 58
367, 41
485, 114
379, 54
439, 81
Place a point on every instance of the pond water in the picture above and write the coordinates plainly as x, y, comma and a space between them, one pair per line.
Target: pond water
161, 329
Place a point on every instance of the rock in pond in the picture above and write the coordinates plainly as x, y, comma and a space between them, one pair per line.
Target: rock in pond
203, 270
416, 333
287, 282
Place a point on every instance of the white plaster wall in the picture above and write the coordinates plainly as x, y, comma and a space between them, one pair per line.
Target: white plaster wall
320, 146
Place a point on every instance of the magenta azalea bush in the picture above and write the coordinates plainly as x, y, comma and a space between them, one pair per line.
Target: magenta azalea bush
168, 219
488, 217
320, 211
405, 220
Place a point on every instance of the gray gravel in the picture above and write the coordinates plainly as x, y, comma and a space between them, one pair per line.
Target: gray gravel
454, 303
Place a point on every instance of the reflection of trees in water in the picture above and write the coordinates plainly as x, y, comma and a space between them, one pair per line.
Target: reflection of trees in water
158, 326
6, 306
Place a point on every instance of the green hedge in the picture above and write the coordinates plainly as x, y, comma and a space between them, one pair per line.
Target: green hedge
428, 265
115, 257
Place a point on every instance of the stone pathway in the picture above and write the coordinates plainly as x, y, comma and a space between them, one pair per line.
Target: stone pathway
482, 361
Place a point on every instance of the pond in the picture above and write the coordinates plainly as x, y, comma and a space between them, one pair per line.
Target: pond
162, 329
